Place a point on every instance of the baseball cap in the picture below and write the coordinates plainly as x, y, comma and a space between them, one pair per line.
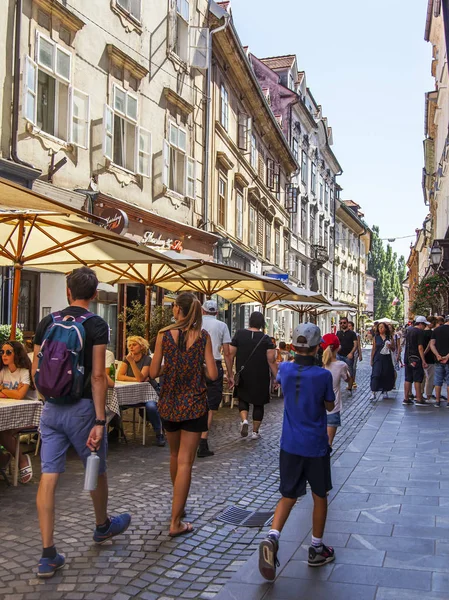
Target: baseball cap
310, 332
330, 339
421, 319
210, 306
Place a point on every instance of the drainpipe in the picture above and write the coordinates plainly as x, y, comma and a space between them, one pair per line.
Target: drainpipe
208, 120
360, 278
16, 88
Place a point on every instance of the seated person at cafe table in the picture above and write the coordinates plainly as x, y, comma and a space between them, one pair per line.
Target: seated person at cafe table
136, 368
16, 383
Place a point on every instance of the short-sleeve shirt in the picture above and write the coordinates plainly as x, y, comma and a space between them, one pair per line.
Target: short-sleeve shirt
11, 381
414, 338
429, 356
441, 337
347, 339
97, 334
145, 361
339, 371
219, 334
306, 388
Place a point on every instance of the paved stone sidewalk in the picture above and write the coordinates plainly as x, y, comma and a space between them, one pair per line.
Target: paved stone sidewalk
145, 563
388, 518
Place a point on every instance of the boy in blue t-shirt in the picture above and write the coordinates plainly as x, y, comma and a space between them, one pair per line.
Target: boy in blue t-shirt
308, 393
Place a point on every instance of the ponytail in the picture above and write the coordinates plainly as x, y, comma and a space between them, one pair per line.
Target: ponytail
192, 319
328, 355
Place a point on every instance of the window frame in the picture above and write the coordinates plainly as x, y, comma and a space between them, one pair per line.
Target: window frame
252, 229
224, 107
313, 177
304, 167
239, 213
277, 246
222, 200
268, 239
253, 151
129, 13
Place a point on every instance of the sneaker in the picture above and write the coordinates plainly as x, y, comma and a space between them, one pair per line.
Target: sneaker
438, 404
421, 403
407, 403
320, 556
203, 450
244, 429
373, 396
255, 435
268, 557
118, 525
47, 567
160, 440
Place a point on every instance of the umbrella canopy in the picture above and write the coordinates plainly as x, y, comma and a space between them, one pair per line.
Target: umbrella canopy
265, 297
55, 241
387, 321
315, 309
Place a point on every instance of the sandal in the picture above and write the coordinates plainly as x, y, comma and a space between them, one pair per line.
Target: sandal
187, 529
26, 473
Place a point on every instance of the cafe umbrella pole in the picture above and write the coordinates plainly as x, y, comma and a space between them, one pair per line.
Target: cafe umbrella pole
17, 278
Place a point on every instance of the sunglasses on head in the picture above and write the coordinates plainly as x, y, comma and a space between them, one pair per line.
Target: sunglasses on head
7, 352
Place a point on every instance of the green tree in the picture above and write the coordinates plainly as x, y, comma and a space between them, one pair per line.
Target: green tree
389, 272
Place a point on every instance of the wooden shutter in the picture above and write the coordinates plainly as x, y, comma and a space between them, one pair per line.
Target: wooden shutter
260, 232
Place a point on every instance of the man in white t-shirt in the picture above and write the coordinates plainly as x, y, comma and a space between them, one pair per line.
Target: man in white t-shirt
221, 339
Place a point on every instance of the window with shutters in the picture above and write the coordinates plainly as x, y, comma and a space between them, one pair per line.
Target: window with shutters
179, 169
303, 274
260, 233
261, 165
321, 195
178, 35
268, 240
252, 227
286, 254
51, 103
304, 167
277, 246
321, 232
222, 191
244, 131
295, 148
253, 151
326, 196
326, 236
270, 173
224, 107
125, 143
277, 181
239, 214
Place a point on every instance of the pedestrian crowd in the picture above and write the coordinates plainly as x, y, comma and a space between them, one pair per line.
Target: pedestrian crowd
72, 370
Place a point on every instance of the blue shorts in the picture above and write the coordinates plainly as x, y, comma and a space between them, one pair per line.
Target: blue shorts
441, 375
334, 420
349, 362
65, 425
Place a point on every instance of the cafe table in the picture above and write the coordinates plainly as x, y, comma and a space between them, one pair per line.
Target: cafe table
19, 414
128, 394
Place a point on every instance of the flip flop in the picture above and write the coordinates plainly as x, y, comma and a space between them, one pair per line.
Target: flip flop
187, 529
26, 473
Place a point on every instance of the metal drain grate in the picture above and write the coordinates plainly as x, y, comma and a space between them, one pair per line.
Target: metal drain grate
234, 515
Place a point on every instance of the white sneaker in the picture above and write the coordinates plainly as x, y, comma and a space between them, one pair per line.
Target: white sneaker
244, 428
255, 435
373, 395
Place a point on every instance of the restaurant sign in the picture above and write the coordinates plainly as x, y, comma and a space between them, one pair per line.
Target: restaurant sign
116, 220
150, 239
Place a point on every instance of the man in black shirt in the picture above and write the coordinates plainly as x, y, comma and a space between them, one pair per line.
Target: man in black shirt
439, 345
348, 347
414, 361
80, 424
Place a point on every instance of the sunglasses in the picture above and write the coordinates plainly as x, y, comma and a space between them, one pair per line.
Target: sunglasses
7, 352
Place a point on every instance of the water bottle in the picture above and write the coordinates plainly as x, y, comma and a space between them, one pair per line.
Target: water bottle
112, 372
92, 469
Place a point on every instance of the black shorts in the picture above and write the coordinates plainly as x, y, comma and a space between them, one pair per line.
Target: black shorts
414, 374
296, 471
198, 425
215, 389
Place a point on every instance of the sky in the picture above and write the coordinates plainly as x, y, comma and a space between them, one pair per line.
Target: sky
368, 65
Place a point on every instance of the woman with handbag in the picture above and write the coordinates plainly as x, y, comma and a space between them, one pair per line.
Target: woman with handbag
255, 356
382, 375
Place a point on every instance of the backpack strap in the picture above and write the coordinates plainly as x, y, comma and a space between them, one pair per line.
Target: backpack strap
56, 316
84, 318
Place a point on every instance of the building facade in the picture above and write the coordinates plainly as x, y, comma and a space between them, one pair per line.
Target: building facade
352, 245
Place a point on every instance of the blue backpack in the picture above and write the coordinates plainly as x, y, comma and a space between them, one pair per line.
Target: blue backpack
60, 372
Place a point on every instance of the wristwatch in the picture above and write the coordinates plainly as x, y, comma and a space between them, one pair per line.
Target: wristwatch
100, 422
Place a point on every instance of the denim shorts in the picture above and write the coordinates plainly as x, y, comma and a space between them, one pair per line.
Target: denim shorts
349, 362
334, 420
441, 375
65, 425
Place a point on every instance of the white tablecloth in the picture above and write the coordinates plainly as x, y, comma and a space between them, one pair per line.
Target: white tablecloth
17, 414
129, 394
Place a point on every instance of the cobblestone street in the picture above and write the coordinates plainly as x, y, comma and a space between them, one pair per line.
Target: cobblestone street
145, 563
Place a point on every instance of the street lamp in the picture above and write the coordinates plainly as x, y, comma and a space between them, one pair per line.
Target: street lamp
436, 255
226, 251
